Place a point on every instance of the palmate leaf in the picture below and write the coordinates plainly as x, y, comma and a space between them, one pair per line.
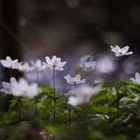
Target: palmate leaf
13, 103
9, 117
106, 94
46, 89
104, 109
100, 117
104, 100
49, 90
129, 84
100, 114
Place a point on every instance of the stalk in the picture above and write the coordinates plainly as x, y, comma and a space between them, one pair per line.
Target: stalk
117, 92
20, 106
38, 76
117, 84
70, 109
54, 99
11, 72
69, 114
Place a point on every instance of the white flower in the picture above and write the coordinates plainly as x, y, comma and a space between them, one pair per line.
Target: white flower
98, 80
86, 58
23, 88
55, 63
87, 66
136, 80
6, 87
82, 94
105, 64
120, 51
87, 63
75, 80
25, 67
38, 65
9, 63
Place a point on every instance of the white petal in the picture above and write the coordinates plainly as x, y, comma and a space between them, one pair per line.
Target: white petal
83, 81
73, 101
125, 49
77, 78
112, 47
59, 69
68, 78
117, 54
132, 79
128, 53
13, 80
54, 58
8, 58
86, 58
62, 64
137, 75
4, 63
117, 48
48, 60
6, 85
5, 90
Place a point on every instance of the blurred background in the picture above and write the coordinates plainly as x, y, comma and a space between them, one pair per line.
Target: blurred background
70, 29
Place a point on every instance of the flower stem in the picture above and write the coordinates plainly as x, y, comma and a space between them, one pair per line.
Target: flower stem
54, 91
69, 114
20, 106
54, 99
54, 110
117, 82
11, 73
117, 92
69, 107
38, 77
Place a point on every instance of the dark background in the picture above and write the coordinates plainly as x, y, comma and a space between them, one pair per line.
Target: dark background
31, 29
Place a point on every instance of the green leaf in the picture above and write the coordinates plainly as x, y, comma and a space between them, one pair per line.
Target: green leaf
46, 89
13, 103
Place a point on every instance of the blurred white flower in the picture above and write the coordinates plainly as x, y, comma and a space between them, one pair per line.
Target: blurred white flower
9, 63
88, 66
25, 67
75, 80
21, 88
120, 51
55, 63
98, 80
86, 58
87, 63
136, 80
105, 64
82, 94
38, 65
6, 87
